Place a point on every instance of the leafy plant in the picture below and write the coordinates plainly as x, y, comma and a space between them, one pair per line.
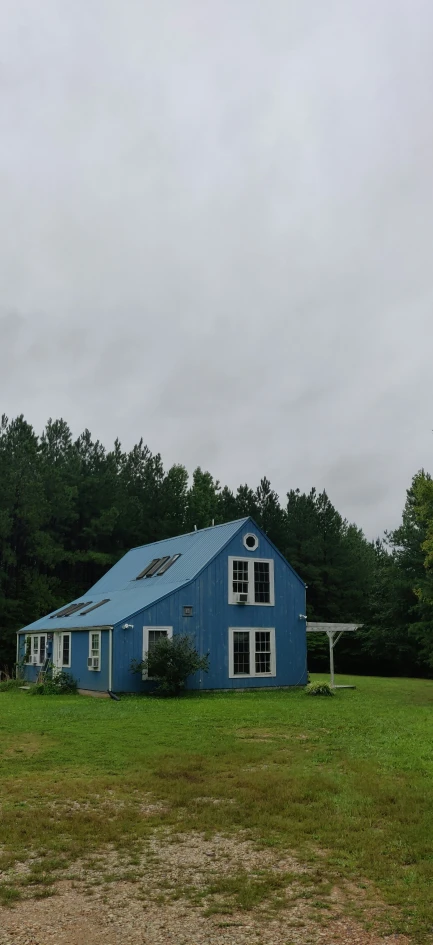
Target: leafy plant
319, 689
7, 684
62, 684
170, 661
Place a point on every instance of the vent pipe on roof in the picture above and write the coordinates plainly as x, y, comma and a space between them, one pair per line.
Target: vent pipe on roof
195, 528
213, 522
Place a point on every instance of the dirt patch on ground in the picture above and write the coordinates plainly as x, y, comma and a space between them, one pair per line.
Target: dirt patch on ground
180, 890
26, 745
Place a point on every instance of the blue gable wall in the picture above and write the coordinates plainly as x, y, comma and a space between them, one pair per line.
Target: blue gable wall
213, 615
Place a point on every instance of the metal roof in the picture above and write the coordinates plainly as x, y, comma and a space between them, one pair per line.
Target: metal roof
127, 595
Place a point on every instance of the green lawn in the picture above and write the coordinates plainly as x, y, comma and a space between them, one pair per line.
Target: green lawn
345, 783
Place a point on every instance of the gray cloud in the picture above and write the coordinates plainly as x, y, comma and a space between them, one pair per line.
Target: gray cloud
217, 231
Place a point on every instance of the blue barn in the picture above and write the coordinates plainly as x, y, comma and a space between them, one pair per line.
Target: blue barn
228, 587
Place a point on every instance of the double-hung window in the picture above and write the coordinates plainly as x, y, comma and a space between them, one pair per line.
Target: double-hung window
152, 635
251, 651
38, 649
94, 659
251, 581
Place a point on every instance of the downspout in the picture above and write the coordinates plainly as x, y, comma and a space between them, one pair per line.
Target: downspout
110, 659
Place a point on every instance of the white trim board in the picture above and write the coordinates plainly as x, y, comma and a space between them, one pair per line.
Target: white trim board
251, 590
252, 674
146, 631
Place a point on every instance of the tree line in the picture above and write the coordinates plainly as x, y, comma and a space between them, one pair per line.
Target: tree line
70, 508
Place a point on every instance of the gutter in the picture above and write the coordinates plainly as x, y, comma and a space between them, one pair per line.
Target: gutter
108, 626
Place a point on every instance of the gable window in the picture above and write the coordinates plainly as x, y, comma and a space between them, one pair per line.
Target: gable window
94, 659
152, 635
240, 577
251, 581
262, 582
251, 542
251, 651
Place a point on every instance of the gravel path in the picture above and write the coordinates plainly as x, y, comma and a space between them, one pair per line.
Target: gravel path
85, 910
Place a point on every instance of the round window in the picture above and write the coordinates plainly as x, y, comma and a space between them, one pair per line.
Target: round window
251, 542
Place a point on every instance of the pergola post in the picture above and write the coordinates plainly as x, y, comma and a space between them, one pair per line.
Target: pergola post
330, 636
333, 632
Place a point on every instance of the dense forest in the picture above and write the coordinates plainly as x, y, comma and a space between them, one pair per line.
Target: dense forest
70, 508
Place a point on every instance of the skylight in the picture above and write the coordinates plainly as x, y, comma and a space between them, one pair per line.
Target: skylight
158, 564
70, 609
149, 567
167, 565
95, 606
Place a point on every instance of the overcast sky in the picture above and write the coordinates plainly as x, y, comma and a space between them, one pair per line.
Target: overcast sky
217, 233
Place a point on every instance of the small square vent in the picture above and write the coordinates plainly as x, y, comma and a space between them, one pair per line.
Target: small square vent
188, 611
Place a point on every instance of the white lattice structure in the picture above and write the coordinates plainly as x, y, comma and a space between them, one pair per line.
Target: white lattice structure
333, 632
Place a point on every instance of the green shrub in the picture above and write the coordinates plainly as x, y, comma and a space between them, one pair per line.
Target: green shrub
170, 662
319, 689
60, 685
8, 684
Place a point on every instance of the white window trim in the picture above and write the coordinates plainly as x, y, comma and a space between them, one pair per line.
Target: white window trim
253, 674
36, 636
68, 665
250, 561
93, 669
146, 630
256, 541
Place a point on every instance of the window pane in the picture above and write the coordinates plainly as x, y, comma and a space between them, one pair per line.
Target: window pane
149, 567
42, 650
94, 607
167, 564
240, 577
66, 649
263, 651
159, 563
95, 644
35, 645
155, 635
262, 582
241, 652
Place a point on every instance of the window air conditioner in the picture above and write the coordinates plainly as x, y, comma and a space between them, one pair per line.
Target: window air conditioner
95, 662
241, 598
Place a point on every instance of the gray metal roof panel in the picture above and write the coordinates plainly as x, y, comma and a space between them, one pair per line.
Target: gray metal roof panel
127, 595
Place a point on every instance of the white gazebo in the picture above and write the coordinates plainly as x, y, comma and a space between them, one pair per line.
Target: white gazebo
333, 632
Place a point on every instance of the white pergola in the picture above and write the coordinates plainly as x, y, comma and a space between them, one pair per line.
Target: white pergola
333, 632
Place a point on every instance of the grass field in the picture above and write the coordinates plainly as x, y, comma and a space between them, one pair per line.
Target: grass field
345, 784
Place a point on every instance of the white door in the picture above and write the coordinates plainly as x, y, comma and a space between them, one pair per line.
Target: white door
57, 652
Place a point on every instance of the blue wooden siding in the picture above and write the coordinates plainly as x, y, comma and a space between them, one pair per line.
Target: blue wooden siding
86, 679
212, 617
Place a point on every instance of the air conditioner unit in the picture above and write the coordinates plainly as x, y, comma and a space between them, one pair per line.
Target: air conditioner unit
95, 662
35, 660
241, 598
